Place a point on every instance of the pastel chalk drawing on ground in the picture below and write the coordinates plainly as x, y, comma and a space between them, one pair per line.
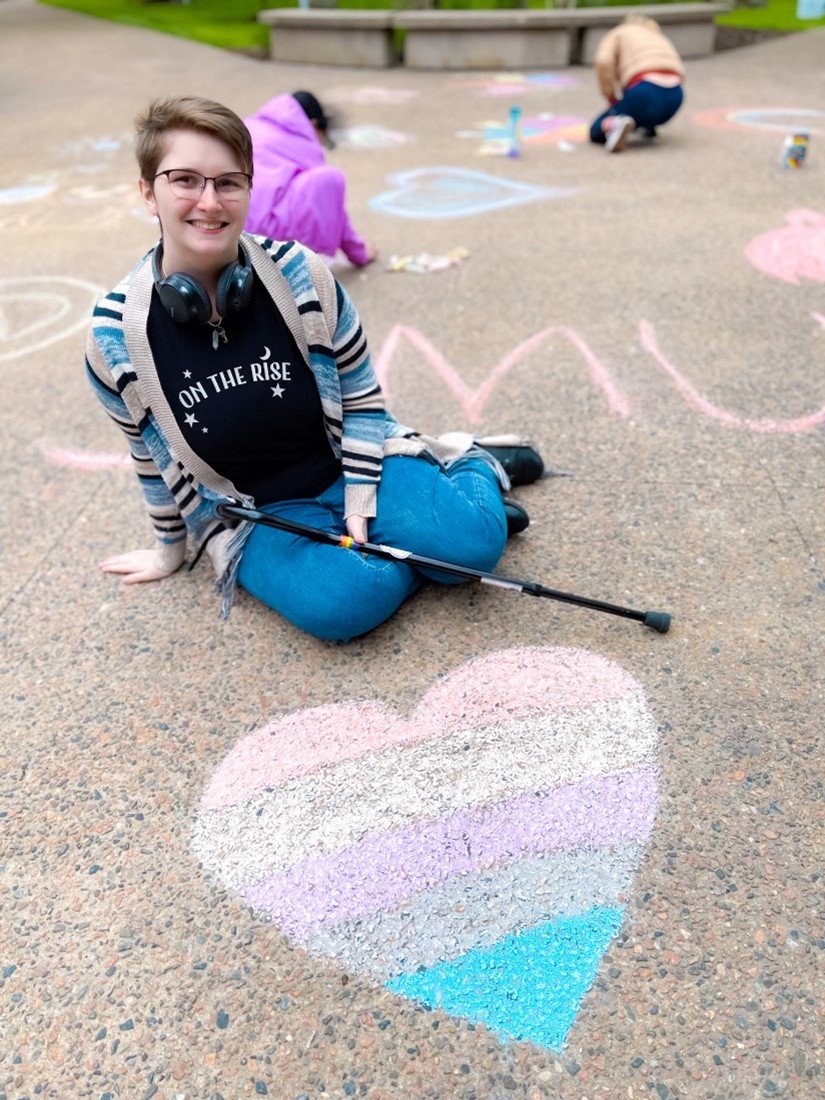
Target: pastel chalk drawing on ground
474, 857
779, 120
510, 84
30, 190
543, 129
456, 193
77, 459
368, 94
473, 401
797, 251
39, 310
368, 136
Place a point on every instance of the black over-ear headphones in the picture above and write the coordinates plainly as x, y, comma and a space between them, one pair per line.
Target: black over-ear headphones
185, 300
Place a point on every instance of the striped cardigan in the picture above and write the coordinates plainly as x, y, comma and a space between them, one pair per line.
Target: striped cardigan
179, 488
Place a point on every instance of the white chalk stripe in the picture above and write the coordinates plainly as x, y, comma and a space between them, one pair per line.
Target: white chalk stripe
476, 911
402, 785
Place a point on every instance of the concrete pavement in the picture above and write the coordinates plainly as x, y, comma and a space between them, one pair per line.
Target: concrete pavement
656, 320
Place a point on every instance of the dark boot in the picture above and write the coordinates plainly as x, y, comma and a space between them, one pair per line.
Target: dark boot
523, 463
517, 518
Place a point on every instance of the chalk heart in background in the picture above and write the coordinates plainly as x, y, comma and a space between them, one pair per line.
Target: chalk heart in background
794, 252
456, 193
475, 856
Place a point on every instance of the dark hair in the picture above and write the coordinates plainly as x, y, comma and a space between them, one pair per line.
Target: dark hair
312, 109
316, 113
188, 112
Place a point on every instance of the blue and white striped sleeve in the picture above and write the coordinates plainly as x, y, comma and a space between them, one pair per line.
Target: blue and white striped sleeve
167, 522
363, 408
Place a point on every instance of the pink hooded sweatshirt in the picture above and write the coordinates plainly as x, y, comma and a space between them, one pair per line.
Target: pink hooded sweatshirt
296, 195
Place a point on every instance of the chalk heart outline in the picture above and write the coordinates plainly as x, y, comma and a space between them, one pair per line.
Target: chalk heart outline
55, 305
456, 193
474, 856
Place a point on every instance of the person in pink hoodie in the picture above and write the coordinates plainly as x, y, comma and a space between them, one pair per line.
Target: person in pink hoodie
296, 195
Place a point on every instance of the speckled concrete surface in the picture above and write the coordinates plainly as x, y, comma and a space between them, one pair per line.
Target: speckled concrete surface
127, 968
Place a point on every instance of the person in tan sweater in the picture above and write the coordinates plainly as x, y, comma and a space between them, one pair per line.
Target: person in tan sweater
640, 74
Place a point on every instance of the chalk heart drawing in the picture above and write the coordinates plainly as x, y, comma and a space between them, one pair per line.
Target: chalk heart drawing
779, 120
368, 136
475, 857
508, 84
795, 252
456, 193
39, 310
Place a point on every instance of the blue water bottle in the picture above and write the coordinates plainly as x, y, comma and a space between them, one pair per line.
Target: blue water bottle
514, 134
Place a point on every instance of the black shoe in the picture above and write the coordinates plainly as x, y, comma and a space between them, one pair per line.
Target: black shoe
523, 464
517, 518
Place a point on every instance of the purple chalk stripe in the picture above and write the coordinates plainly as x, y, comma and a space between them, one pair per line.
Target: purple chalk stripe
382, 870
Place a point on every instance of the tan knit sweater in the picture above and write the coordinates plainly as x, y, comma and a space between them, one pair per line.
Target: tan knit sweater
630, 49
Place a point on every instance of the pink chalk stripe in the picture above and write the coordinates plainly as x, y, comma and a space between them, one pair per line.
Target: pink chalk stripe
472, 401
86, 460
383, 870
509, 685
699, 402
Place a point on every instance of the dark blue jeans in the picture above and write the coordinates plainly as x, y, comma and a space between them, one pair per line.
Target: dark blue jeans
648, 104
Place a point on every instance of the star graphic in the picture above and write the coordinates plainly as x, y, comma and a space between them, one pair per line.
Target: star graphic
204, 430
277, 391
187, 374
191, 419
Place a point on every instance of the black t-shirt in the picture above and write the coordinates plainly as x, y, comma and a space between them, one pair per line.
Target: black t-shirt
250, 408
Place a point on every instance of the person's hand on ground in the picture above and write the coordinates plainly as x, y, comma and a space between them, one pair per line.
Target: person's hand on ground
357, 527
372, 253
137, 566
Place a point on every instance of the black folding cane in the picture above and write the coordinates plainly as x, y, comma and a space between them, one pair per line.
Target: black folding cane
656, 620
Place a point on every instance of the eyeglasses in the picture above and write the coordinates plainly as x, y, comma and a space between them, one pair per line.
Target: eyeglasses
187, 184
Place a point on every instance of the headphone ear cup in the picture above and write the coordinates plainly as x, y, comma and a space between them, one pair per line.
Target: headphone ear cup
184, 299
234, 289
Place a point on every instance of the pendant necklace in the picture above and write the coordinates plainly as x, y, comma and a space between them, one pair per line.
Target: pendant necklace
218, 333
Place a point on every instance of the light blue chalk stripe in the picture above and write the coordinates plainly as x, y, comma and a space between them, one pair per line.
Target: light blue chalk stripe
527, 986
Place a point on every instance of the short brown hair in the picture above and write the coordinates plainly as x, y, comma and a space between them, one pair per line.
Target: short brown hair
188, 112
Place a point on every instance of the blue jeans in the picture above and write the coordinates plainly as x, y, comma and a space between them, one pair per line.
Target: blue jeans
456, 515
648, 104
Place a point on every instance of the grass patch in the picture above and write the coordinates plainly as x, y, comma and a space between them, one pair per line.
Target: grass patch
230, 24
775, 15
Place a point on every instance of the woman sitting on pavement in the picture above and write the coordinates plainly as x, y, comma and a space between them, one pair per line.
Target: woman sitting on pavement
297, 195
238, 370
640, 74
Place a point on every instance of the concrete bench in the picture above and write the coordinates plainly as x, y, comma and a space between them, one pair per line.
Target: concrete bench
499, 39
331, 37
690, 27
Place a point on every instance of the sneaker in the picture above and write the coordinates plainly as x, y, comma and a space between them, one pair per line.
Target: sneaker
522, 463
623, 127
517, 518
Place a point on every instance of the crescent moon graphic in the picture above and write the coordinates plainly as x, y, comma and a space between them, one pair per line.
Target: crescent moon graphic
265, 353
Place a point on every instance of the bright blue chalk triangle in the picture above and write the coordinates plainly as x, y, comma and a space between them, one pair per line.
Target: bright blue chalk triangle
529, 985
